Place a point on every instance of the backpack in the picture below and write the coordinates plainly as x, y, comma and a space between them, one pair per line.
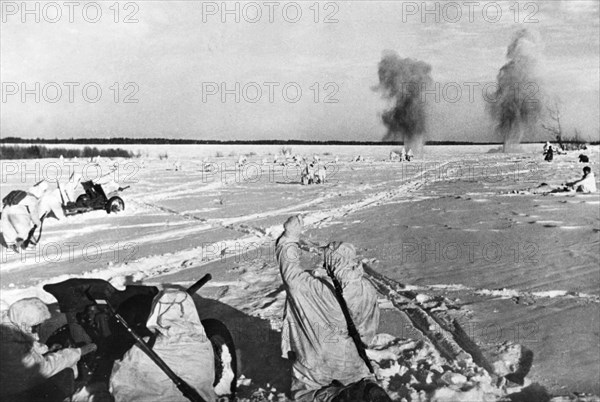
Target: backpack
14, 197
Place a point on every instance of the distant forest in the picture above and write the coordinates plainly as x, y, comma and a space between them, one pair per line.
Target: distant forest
40, 152
173, 141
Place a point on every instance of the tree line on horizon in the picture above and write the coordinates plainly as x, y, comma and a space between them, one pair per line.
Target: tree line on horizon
8, 152
179, 141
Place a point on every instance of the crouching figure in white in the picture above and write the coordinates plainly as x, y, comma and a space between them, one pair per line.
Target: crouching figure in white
21, 223
181, 342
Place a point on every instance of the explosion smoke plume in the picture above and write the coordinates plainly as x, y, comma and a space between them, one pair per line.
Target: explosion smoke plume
515, 107
402, 81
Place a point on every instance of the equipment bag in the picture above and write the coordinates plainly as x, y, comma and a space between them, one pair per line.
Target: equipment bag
14, 197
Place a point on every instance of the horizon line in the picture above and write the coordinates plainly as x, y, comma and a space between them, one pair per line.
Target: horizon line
181, 141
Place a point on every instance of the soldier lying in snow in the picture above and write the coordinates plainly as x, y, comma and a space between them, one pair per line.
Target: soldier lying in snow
587, 184
327, 365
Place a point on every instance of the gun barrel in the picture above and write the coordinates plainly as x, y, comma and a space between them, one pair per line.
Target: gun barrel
183, 386
199, 283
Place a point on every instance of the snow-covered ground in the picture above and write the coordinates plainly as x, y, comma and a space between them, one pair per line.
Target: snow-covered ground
461, 228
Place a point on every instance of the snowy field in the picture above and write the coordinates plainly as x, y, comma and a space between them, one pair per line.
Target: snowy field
461, 224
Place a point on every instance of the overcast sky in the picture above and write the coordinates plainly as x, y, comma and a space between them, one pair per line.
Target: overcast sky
171, 58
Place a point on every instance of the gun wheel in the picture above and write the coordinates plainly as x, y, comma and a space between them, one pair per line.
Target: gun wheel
83, 200
225, 357
115, 205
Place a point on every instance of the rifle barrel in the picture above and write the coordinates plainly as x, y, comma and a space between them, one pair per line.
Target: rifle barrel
352, 331
199, 283
183, 386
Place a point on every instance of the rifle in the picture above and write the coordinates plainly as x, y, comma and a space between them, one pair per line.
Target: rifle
30, 239
352, 331
186, 389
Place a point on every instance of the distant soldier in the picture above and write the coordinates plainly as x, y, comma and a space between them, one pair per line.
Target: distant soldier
308, 175
587, 184
320, 174
546, 146
549, 154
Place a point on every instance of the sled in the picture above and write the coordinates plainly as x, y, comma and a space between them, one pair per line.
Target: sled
91, 301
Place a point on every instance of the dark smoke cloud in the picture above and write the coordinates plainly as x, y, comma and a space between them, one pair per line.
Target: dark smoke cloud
516, 107
402, 81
